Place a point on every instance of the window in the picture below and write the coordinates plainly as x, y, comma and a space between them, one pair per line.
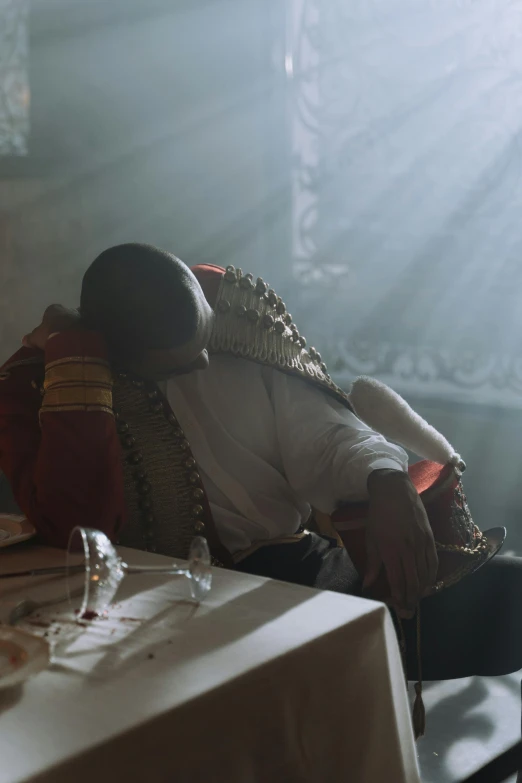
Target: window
14, 81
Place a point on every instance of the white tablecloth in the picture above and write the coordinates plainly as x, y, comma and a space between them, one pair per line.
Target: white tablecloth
265, 681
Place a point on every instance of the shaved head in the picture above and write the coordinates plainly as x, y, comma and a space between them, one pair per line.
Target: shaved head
143, 299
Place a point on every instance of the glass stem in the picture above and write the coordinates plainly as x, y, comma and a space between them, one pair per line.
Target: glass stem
172, 570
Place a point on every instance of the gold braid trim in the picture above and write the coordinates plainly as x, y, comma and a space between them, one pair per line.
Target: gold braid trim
80, 407
479, 546
79, 397
252, 323
77, 383
166, 499
80, 372
77, 360
6, 369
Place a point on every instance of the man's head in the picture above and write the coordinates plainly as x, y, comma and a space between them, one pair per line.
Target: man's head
150, 309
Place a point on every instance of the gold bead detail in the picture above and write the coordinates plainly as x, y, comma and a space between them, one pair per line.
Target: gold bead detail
230, 274
223, 306
246, 283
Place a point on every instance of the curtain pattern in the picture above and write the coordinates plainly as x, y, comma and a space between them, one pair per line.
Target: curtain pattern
14, 81
407, 190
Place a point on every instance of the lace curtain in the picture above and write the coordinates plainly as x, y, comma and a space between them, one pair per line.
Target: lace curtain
407, 190
14, 82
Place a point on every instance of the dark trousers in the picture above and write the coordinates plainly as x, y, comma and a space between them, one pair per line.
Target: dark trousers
472, 628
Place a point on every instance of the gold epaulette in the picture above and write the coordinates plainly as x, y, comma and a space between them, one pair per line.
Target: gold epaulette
252, 322
77, 383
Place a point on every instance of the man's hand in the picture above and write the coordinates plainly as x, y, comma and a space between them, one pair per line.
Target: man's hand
399, 538
55, 319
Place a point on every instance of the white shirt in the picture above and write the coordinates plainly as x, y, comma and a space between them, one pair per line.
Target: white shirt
269, 446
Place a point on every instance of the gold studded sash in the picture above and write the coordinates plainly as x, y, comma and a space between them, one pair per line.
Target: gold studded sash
252, 323
167, 505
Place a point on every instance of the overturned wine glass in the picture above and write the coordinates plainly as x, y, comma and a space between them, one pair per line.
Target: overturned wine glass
95, 571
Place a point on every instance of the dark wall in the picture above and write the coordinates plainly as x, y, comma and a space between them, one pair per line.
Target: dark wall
159, 121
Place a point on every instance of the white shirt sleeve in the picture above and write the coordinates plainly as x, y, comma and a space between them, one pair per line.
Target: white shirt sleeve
327, 452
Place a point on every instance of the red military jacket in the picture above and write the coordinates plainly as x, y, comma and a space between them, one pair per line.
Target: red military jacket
60, 446
62, 454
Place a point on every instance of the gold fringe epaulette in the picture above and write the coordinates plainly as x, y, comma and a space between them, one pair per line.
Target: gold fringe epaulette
252, 323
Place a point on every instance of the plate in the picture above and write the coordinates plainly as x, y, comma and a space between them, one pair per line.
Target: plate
14, 528
21, 656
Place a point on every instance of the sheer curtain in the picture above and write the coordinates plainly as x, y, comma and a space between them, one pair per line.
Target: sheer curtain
14, 84
406, 123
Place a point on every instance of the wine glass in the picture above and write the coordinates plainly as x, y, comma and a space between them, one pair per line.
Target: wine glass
95, 570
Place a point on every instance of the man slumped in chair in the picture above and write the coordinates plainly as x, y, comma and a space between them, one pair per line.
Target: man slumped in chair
114, 417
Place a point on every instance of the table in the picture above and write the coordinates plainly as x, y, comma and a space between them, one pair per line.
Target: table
264, 681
